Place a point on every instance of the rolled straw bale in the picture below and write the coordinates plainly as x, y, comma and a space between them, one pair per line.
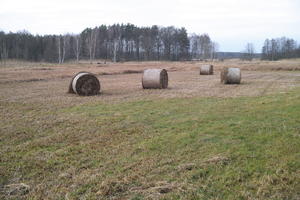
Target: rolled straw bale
84, 84
231, 76
155, 79
206, 70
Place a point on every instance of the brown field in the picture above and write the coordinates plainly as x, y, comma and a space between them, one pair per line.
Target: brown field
130, 143
48, 83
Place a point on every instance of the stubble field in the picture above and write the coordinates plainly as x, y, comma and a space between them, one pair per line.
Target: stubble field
198, 139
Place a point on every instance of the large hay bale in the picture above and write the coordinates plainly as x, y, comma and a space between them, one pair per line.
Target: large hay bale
84, 84
231, 76
206, 70
155, 79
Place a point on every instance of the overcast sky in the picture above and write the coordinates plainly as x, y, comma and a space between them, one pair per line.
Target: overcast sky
231, 23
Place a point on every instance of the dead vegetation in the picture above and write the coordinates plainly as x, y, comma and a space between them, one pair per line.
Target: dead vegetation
15, 190
122, 72
25, 70
121, 145
24, 81
158, 189
123, 81
217, 160
186, 166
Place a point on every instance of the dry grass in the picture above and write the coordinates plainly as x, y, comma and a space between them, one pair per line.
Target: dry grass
191, 141
31, 83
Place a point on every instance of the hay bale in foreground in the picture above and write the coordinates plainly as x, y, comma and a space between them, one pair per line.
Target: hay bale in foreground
155, 79
206, 70
231, 76
84, 84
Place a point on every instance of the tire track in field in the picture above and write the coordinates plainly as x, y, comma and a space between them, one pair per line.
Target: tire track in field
269, 85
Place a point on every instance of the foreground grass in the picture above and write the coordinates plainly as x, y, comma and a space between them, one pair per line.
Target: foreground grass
195, 148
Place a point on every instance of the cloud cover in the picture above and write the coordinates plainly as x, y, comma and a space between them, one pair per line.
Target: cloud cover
232, 23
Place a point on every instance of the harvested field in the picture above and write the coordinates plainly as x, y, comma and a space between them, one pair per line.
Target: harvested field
119, 83
197, 139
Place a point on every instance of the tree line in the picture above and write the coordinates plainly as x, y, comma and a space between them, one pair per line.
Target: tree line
273, 49
118, 42
280, 48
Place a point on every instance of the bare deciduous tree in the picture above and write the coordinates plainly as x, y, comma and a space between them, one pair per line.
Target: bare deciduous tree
248, 53
92, 43
4, 53
62, 45
59, 49
202, 47
205, 45
116, 44
64, 49
77, 47
214, 49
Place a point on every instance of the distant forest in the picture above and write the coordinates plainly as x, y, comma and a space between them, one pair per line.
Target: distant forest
127, 42
280, 48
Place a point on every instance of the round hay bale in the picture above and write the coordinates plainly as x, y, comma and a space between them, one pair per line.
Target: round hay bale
155, 79
231, 76
84, 84
206, 70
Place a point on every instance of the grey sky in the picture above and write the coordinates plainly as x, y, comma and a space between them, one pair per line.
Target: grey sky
231, 23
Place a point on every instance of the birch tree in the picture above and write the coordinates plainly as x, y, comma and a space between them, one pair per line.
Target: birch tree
77, 47
59, 49
92, 43
115, 49
62, 45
